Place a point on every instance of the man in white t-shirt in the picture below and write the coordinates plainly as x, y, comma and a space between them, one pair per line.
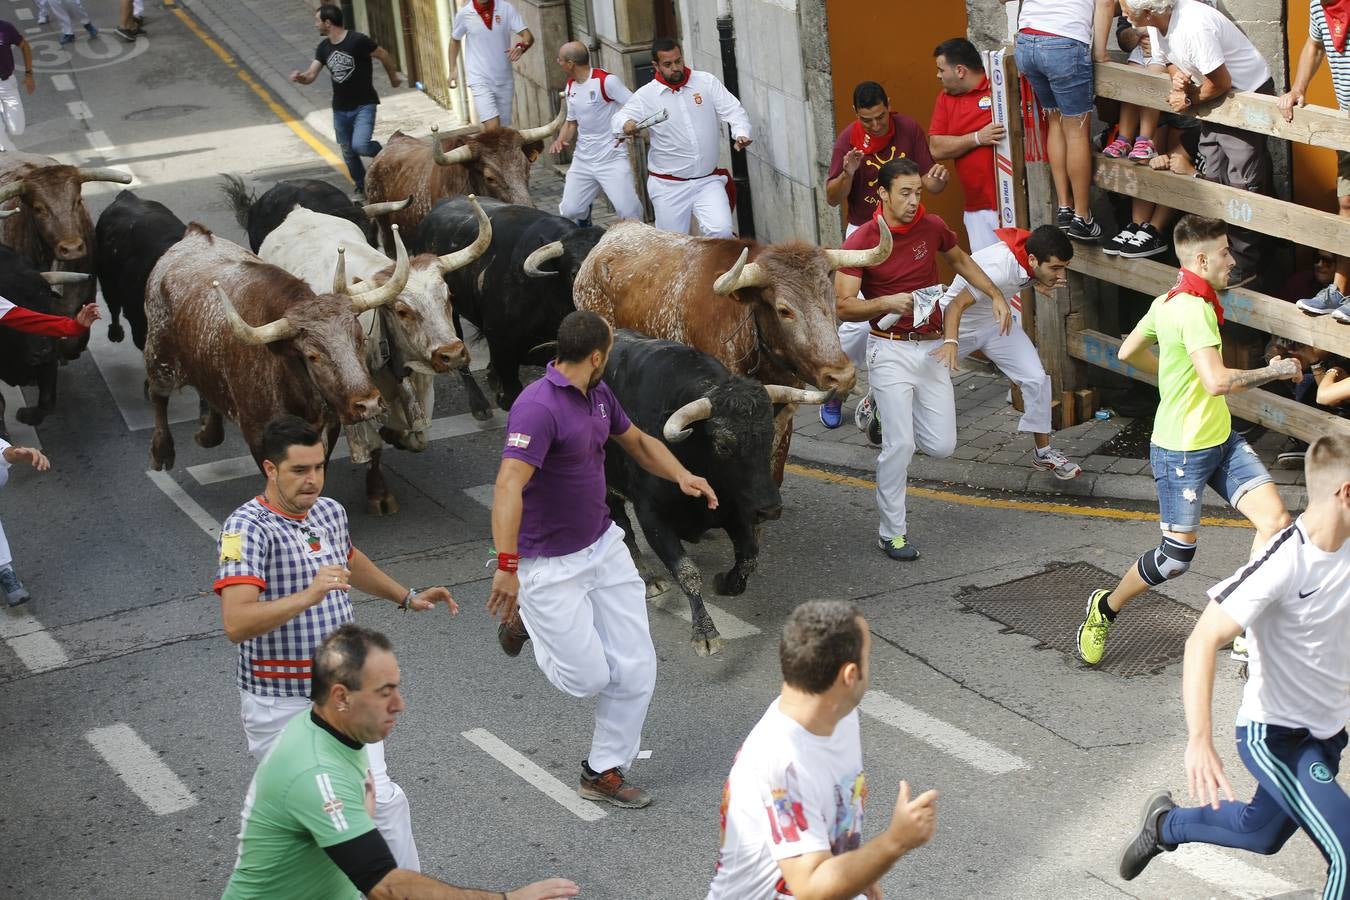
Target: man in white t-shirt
497, 38
1293, 600
599, 162
1208, 56
792, 808
1018, 259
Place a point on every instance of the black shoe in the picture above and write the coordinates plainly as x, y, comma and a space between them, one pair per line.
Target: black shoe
1239, 277
1120, 241
1147, 242
1147, 841
1082, 230
511, 635
127, 34
1063, 217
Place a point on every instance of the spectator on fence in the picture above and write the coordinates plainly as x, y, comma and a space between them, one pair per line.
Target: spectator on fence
1310, 281
1057, 40
1334, 388
963, 130
1328, 24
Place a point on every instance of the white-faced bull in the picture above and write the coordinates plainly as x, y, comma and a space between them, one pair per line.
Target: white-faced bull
259, 215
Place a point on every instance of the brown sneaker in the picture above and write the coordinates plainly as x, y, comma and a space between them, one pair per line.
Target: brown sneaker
512, 635
611, 787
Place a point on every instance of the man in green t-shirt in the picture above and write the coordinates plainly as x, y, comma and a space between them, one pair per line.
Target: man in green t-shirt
1193, 444
308, 830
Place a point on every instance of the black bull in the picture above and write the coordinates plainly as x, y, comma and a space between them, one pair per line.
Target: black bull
131, 235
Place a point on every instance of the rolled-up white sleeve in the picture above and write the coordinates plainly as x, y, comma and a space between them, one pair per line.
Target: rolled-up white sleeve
730, 110
634, 110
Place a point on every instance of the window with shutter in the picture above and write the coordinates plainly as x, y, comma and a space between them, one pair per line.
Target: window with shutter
579, 17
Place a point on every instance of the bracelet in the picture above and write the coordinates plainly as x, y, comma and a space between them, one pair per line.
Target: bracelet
407, 598
522, 45
951, 341
976, 136
508, 562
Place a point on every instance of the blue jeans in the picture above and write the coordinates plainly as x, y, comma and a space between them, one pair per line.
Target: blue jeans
1060, 72
354, 129
1296, 788
1231, 468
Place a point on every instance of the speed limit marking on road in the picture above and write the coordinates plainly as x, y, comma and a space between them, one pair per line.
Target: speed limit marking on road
49, 55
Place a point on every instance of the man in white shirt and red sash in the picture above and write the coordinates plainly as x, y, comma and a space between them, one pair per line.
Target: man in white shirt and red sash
683, 178
490, 27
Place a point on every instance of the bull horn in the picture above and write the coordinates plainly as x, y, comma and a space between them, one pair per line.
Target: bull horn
280, 330
780, 394
383, 209
677, 426
460, 156
847, 259
340, 285
65, 277
742, 275
539, 257
5, 213
375, 297
105, 175
10, 191
545, 131
462, 257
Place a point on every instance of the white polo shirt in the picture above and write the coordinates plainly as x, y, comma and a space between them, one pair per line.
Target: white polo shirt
1066, 18
485, 59
1199, 39
591, 104
689, 143
1001, 265
1294, 601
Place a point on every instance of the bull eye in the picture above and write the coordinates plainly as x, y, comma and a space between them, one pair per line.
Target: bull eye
786, 313
313, 356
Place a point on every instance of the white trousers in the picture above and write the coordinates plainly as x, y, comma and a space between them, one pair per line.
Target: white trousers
913, 394
11, 110
68, 13
264, 720
493, 101
980, 226
703, 198
5, 557
587, 617
586, 179
1017, 358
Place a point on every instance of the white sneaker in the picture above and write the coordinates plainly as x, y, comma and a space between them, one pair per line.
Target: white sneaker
1051, 460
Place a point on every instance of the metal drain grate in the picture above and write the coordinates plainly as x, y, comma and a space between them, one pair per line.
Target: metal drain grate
1048, 606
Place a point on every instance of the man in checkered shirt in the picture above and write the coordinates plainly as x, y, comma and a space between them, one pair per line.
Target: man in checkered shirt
286, 565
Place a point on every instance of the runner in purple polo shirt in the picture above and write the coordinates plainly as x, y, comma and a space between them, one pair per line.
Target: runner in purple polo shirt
580, 595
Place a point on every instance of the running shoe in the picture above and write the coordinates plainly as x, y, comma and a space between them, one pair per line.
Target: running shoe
1147, 242
1240, 651
1143, 150
1292, 454
1116, 149
1147, 841
1120, 241
1092, 633
127, 34
1342, 315
13, 589
1325, 302
898, 547
67, 39
1064, 217
1081, 229
610, 786
89, 27
1051, 460
832, 413
868, 421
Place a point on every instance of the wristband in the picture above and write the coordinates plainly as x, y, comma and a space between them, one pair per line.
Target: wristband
951, 341
508, 562
407, 598
522, 45
976, 136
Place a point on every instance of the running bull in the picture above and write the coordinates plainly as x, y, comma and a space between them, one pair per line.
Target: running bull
259, 216
131, 235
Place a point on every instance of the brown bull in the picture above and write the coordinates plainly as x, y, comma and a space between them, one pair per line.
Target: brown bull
764, 311
487, 163
307, 358
50, 225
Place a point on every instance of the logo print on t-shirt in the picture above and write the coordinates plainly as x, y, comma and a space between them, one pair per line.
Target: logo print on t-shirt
876, 162
341, 64
920, 250
986, 101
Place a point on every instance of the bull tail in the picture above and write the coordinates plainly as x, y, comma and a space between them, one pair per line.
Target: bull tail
234, 189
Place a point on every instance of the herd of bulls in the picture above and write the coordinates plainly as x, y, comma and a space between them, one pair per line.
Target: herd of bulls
714, 337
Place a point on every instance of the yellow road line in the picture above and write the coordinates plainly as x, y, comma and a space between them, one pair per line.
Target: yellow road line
1059, 509
301, 131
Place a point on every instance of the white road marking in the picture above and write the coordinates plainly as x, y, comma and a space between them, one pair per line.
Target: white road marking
141, 769
35, 648
63, 82
32, 31
99, 141
164, 481
23, 14
1226, 871
565, 797
676, 603
644, 754
482, 494
964, 746
123, 369
244, 467
79, 110
20, 435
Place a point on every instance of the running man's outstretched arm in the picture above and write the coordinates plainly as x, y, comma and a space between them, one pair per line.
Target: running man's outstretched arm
1204, 771
1218, 379
1134, 350
656, 458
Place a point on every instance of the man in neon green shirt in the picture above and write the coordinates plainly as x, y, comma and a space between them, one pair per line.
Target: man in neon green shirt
308, 830
1194, 444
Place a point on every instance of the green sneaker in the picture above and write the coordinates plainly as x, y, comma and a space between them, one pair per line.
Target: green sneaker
1092, 633
898, 547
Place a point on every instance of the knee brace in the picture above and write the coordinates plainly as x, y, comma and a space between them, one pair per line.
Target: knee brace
1170, 559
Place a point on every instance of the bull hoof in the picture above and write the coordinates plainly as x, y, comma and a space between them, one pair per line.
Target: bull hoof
211, 434
31, 415
382, 506
729, 584
161, 452
707, 646
482, 414
115, 332
656, 587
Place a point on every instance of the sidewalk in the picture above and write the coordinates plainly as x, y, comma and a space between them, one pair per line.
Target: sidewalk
274, 37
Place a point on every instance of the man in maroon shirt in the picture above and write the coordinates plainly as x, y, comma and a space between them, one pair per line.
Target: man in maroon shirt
911, 381
963, 130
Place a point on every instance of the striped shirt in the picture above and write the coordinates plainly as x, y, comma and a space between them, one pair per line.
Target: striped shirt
280, 554
1318, 30
1294, 602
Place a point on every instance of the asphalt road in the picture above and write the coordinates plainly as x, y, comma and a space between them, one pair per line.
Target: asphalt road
124, 765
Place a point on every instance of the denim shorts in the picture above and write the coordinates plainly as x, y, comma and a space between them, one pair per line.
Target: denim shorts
1232, 469
1060, 72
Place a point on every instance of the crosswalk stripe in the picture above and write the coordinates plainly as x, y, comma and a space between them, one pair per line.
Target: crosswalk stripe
1224, 870
554, 789
63, 82
964, 746
141, 769
35, 648
164, 481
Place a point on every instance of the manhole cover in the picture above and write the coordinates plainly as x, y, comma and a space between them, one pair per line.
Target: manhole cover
1048, 606
163, 112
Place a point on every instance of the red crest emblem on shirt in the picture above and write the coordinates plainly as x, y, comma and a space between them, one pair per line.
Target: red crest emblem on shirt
497, 19
698, 99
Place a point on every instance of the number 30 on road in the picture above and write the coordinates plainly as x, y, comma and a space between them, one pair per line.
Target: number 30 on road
105, 50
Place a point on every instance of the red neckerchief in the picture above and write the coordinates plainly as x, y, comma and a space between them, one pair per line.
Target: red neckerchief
484, 12
674, 87
1016, 239
1190, 283
871, 143
1338, 21
901, 229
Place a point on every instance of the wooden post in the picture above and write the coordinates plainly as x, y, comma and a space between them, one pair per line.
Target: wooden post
1086, 403
1067, 410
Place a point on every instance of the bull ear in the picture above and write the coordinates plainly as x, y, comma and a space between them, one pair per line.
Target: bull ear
532, 150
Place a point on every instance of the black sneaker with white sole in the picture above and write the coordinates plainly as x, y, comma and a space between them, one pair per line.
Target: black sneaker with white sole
1081, 229
1147, 243
1063, 217
1120, 241
1147, 841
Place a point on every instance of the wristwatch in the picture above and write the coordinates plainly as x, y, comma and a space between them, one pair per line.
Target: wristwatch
407, 598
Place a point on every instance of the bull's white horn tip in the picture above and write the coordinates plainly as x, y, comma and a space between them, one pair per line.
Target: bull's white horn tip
215, 283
